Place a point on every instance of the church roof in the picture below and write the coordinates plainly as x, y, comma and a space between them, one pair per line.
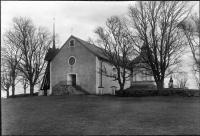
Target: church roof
50, 54
92, 48
95, 49
137, 59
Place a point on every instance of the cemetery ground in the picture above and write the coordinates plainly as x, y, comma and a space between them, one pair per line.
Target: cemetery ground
90, 114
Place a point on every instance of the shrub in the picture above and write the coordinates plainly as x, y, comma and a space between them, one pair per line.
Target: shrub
23, 95
166, 92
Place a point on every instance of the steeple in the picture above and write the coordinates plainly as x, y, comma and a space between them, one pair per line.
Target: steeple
54, 47
52, 51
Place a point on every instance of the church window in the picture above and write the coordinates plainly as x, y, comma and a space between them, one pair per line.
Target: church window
72, 60
140, 75
148, 76
144, 75
114, 70
71, 43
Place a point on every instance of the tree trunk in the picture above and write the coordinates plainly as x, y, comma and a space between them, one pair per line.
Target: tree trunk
159, 87
7, 93
13, 89
31, 89
121, 91
24, 89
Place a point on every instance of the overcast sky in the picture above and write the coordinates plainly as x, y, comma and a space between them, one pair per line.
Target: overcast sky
83, 17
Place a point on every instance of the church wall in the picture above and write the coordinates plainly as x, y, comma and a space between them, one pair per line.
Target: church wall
107, 82
50, 90
139, 77
84, 66
97, 74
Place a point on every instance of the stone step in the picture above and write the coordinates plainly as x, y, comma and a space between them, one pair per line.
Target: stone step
67, 90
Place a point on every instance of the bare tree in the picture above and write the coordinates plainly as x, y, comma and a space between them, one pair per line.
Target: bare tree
5, 82
33, 43
11, 55
195, 76
90, 40
5, 79
154, 23
181, 79
116, 46
191, 28
24, 83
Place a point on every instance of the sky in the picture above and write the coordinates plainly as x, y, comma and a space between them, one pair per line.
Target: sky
82, 17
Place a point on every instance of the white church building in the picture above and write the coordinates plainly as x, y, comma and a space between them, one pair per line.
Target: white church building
73, 69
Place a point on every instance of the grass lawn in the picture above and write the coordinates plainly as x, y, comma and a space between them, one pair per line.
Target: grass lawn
100, 115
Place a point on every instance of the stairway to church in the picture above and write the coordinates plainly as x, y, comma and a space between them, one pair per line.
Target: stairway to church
63, 89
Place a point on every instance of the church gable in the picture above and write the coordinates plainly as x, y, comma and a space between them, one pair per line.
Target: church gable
74, 42
74, 58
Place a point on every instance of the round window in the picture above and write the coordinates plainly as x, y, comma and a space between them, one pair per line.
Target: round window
71, 61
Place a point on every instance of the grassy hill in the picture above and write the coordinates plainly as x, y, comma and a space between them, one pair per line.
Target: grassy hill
89, 115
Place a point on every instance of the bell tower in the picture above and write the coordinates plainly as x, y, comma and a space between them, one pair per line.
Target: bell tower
46, 84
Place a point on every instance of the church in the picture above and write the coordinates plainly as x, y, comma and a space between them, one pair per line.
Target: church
73, 69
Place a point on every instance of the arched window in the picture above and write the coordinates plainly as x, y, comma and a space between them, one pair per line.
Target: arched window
72, 60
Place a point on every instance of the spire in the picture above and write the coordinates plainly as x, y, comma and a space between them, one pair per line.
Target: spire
54, 47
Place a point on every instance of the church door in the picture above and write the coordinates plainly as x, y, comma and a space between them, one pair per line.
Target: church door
73, 79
